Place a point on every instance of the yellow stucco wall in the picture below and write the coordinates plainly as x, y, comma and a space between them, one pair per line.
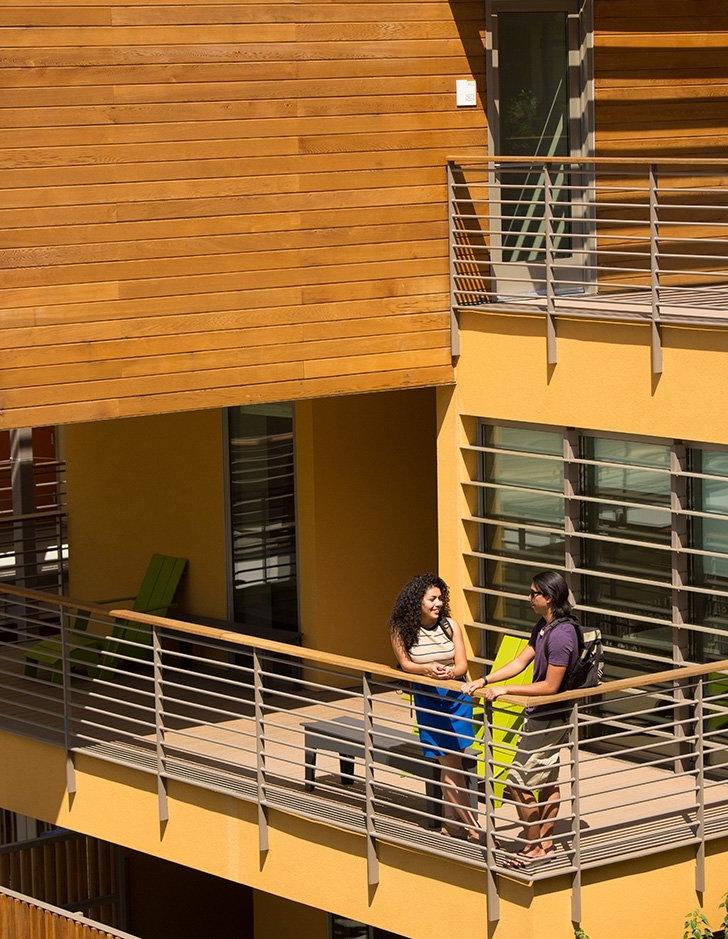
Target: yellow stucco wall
321, 867
367, 513
366, 496
602, 382
146, 485
274, 917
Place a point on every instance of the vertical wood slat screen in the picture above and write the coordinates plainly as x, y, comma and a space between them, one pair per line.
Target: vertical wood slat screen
23, 917
72, 871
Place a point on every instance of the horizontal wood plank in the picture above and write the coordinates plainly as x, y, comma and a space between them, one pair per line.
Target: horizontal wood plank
213, 201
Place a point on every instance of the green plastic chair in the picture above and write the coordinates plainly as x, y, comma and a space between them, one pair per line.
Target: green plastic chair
716, 684
507, 718
156, 595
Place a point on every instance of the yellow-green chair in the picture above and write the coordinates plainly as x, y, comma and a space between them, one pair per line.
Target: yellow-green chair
156, 595
507, 718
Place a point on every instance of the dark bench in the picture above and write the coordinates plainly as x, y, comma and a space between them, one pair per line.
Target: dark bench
396, 748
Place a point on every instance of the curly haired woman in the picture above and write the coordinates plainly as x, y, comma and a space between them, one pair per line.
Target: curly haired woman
427, 642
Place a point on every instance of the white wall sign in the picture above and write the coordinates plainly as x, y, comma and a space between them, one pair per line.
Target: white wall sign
465, 93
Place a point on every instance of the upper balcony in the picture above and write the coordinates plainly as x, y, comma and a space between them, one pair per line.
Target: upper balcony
190, 713
605, 238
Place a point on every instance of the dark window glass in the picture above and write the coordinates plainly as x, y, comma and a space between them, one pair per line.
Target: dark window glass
634, 478
263, 517
710, 570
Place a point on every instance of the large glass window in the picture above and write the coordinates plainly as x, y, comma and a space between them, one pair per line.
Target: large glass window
263, 517
709, 568
523, 483
627, 490
640, 525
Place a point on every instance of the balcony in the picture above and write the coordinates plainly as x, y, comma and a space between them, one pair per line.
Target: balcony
614, 239
33, 538
645, 770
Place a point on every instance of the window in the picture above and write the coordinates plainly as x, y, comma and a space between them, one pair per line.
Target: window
639, 527
342, 928
539, 81
709, 563
263, 587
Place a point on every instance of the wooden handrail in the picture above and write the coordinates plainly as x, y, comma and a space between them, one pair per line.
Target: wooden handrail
374, 668
33, 516
358, 665
57, 599
282, 648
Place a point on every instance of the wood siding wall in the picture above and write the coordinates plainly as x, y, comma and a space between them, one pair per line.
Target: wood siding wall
214, 203
661, 78
207, 203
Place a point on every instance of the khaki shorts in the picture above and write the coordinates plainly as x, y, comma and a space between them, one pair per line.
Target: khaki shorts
536, 761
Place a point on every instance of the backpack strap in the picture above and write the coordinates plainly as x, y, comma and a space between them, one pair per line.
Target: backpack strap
446, 627
567, 619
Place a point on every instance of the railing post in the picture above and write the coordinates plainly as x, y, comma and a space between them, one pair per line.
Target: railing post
551, 354
576, 813
700, 784
679, 540
451, 212
159, 727
263, 843
60, 569
371, 834
66, 686
25, 542
656, 334
491, 882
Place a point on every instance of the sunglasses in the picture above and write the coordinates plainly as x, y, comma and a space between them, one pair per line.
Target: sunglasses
534, 593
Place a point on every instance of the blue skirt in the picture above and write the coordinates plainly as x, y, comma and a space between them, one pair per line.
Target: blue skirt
449, 727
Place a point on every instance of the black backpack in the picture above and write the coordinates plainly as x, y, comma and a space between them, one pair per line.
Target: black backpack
588, 670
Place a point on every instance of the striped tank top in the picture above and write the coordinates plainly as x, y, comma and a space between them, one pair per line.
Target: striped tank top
433, 645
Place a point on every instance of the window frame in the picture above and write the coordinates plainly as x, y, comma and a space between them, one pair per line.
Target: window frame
686, 634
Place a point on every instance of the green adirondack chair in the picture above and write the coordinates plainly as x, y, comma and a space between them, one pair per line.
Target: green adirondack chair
507, 718
717, 722
156, 594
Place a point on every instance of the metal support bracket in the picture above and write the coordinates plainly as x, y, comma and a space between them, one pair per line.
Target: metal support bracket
492, 897
371, 834
655, 325
263, 843
551, 350
451, 214
66, 686
700, 785
162, 802
576, 814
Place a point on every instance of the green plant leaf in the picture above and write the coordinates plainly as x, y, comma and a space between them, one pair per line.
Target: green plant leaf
697, 926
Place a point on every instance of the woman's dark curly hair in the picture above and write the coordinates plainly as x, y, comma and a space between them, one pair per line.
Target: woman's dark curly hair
405, 619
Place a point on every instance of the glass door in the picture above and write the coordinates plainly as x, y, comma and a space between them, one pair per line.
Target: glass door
535, 102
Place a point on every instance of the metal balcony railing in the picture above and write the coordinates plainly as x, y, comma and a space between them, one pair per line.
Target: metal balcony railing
33, 543
593, 237
644, 769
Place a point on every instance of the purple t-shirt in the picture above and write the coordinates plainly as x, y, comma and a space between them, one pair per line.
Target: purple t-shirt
554, 645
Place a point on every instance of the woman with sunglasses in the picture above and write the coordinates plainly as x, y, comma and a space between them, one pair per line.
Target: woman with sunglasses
553, 647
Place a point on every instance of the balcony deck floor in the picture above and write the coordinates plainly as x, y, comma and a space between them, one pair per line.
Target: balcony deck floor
678, 304
218, 751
